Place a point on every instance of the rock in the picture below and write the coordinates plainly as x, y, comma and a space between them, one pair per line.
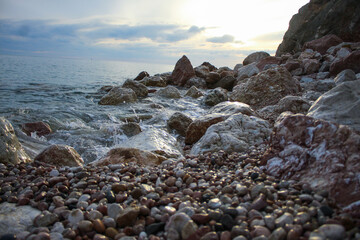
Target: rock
75, 217
268, 61
131, 129
339, 105
286, 218
61, 156
197, 82
169, 92
349, 62
247, 71
105, 89
141, 76
331, 232
182, 72
213, 77
118, 95
266, 88
194, 92
11, 150
230, 108
179, 122
322, 44
316, 152
155, 81
202, 71
16, 219
85, 226
177, 222
199, 126
189, 229
293, 104
225, 83
127, 217
236, 134
156, 141
215, 96
311, 66
40, 128
255, 57
139, 88
278, 234
345, 76
320, 18
45, 219
126, 155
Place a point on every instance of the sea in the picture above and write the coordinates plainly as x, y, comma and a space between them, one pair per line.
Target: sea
65, 93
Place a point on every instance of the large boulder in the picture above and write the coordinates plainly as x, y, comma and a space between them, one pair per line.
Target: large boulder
118, 95
226, 82
197, 82
266, 88
16, 219
169, 92
322, 44
236, 134
139, 88
155, 81
319, 18
194, 92
182, 72
11, 150
179, 122
215, 96
322, 154
350, 62
341, 104
61, 156
141, 75
255, 57
346, 75
127, 155
216, 114
247, 71
40, 128
156, 141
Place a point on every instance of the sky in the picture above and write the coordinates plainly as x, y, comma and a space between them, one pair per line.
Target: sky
160, 31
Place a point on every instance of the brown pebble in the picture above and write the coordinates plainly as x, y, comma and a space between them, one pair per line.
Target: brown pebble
225, 235
100, 237
111, 232
85, 226
99, 226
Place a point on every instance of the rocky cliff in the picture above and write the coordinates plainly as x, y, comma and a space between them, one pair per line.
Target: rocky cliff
319, 18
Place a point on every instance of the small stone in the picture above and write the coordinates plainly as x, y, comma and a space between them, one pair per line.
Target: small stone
99, 237
189, 228
118, 187
227, 221
75, 217
110, 196
214, 203
177, 222
327, 211
306, 197
99, 226
56, 236
54, 173
210, 236
286, 218
136, 193
45, 219
111, 232
154, 228
85, 226
113, 210
127, 217
260, 230
332, 231
278, 234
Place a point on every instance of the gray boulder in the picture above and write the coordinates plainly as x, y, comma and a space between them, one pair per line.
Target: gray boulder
139, 88
255, 57
155, 81
247, 71
118, 95
179, 122
236, 134
345, 76
194, 92
341, 105
169, 92
215, 96
11, 150
16, 219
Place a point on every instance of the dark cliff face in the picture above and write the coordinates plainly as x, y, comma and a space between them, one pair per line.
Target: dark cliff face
319, 18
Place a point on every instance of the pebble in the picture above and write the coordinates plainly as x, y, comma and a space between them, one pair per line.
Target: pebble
85, 226
113, 210
214, 203
75, 217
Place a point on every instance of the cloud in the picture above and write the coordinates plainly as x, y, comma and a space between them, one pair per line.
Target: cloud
269, 37
223, 39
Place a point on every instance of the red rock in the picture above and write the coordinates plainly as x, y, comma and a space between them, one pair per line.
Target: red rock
323, 154
60, 155
255, 57
182, 72
321, 45
40, 128
350, 62
268, 60
311, 66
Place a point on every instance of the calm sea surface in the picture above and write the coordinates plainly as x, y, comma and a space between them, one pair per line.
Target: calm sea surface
64, 93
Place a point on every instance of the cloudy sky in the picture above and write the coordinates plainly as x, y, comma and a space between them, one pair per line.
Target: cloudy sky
221, 32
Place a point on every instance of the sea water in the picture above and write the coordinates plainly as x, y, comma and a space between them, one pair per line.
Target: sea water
65, 93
